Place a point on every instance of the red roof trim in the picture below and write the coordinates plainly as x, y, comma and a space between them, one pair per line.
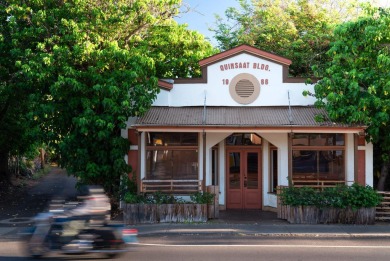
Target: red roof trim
165, 85
244, 49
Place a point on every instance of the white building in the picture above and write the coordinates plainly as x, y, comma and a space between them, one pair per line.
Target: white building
245, 127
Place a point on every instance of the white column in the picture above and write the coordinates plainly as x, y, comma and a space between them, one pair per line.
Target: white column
211, 140
369, 164
265, 171
222, 171
142, 147
280, 140
200, 157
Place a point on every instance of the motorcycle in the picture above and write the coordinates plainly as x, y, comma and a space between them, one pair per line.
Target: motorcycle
53, 232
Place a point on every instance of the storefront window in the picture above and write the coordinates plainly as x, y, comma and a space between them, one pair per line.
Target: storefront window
243, 139
171, 139
172, 156
318, 157
318, 139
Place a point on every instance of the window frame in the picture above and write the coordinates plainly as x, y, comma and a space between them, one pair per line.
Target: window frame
317, 149
152, 148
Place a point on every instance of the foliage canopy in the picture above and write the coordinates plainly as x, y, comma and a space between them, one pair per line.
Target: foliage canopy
356, 85
299, 30
87, 66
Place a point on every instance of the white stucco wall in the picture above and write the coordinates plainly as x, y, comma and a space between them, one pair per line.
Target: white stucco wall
212, 140
272, 93
280, 140
162, 98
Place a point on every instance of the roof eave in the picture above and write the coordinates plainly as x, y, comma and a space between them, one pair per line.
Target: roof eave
245, 49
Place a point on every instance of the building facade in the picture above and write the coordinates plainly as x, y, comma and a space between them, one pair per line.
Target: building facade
244, 128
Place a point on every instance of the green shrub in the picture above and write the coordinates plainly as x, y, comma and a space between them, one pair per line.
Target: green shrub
161, 198
342, 196
127, 186
202, 197
362, 197
304, 196
132, 198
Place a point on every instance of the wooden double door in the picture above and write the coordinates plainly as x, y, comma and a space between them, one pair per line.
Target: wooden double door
243, 179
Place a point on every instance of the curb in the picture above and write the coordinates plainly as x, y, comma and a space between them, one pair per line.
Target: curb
270, 234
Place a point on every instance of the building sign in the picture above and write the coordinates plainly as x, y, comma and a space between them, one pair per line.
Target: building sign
244, 65
244, 88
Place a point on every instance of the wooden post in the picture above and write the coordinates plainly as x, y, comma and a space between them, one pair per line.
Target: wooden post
213, 208
281, 209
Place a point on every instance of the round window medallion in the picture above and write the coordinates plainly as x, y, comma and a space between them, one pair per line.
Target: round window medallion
244, 88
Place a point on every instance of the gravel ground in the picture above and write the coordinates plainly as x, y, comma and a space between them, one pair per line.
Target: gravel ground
23, 202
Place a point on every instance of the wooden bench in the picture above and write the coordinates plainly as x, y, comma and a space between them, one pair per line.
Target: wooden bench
316, 183
171, 186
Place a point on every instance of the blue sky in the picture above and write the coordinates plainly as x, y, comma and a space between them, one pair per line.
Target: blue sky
203, 13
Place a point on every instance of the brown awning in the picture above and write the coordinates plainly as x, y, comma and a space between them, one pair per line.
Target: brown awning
236, 117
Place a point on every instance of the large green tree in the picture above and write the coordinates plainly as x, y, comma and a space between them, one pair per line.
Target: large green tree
89, 65
18, 131
299, 30
356, 86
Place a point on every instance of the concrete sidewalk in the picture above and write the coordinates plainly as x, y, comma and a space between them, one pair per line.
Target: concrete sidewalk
379, 230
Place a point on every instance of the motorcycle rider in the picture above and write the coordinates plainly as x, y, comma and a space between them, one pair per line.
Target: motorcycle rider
93, 211
95, 204
77, 230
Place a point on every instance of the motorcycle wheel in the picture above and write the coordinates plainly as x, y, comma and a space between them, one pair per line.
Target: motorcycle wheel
108, 235
112, 256
116, 255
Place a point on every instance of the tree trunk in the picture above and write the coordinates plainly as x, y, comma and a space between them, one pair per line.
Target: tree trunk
383, 177
4, 172
42, 157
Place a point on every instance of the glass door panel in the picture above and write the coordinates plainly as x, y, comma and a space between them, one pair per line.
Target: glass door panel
234, 170
252, 174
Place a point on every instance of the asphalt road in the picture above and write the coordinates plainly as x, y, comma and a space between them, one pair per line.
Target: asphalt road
233, 248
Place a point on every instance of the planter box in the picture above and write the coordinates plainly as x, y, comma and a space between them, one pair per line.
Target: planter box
302, 215
314, 215
362, 216
164, 213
